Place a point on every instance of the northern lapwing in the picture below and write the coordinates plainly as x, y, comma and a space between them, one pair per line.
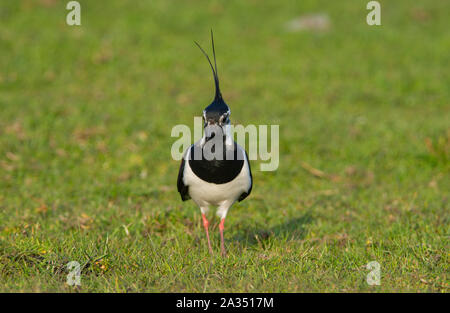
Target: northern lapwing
219, 179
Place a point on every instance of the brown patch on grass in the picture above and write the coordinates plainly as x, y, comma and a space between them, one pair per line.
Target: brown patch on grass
85, 221
318, 173
83, 135
420, 14
16, 129
42, 209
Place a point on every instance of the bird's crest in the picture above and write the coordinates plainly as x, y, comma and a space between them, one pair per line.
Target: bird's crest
214, 69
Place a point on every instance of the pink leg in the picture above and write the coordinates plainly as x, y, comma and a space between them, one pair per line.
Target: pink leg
206, 225
222, 244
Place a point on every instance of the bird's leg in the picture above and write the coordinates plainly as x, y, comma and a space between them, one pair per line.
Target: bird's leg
222, 244
206, 225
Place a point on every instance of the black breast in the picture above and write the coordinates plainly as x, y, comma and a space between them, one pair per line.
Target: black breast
216, 171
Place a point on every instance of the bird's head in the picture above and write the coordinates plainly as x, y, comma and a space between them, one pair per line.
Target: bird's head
216, 115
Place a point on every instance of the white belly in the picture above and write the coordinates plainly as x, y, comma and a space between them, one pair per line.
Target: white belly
222, 195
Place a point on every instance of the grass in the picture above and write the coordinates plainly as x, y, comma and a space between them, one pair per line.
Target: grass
87, 175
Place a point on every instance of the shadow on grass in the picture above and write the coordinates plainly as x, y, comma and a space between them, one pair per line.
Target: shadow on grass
294, 229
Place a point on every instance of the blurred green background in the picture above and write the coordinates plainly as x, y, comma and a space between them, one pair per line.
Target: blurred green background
87, 175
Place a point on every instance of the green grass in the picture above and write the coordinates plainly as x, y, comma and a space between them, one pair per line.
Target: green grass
86, 172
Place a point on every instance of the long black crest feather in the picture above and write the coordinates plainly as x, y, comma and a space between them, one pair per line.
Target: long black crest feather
216, 77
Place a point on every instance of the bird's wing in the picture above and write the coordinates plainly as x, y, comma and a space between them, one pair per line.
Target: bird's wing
245, 194
182, 188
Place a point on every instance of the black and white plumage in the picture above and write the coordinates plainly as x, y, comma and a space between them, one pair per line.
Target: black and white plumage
218, 182
214, 183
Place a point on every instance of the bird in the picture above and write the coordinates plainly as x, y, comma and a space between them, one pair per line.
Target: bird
223, 176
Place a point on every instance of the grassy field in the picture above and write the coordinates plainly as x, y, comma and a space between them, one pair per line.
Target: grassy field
86, 172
